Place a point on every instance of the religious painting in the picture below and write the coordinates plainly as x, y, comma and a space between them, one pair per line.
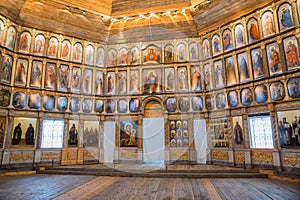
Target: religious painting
76, 79
110, 83
184, 104
21, 72
238, 131
239, 36
98, 106
179, 133
6, 69
73, 133
23, 133
48, 102
52, 47
39, 45
291, 51
65, 50
277, 91
197, 103
100, 56
134, 56
293, 85
230, 71
36, 74
152, 81
134, 82
253, 31
273, 55
216, 45
123, 56
112, 58
267, 22
257, 63
122, 82
196, 78
221, 100
246, 96
181, 52
50, 76
285, 17
63, 77
134, 105
1, 31
219, 74
19, 100
91, 133
207, 76
2, 128
77, 52
169, 79
171, 105
151, 55
89, 55
194, 51
232, 98
34, 101
110, 106
205, 48
62, 104
261, 94
128, 134
4, 97
227, 40
99, 83
87, 105
169, 53
87, 81
122, 106
244, 68
182, 79
11, 37
75, 104
209, 102
25, 42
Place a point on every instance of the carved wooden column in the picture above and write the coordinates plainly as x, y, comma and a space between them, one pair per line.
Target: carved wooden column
80, 142
38, 139
140, 138
209, 142
167, 139
101, 139
65, 157
193, 153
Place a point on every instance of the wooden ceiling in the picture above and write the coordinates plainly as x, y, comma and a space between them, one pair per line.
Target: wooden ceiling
82, 18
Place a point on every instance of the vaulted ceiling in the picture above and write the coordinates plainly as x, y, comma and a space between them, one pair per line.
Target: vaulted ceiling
92, 19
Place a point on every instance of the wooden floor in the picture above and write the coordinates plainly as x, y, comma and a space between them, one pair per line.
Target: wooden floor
133, 188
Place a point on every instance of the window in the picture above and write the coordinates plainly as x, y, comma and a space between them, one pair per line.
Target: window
260, 132
53, 133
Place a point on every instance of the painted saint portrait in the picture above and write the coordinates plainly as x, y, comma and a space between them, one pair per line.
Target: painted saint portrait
112, 57
169, 53
151, 54
134, 105
89, 55
39, 45
1, 31
244, 70
21, 72
277, 91
239, 36
48, 102
182, 80
50, 76
181, 52
87, 105
77, 52
123, 56
99, 106
76, 79
4, 97
63, 77
219, 74
36, 74
273, 55
75, 104
62, 104
232, 98
87, 81
246, 96
209, 102
169, 79
152, 81
205, 48
52, 47
227, 40
171, 105
221, 100
134, 56
110, 106
34, 101
100, 56
285, 17
230, 71
184, 104
25, 42
6, 69
19, 100
197, 103
65, 50
110, 83
294, 87
122, 82
207, 77
122, 106
128, 134
216, 45
134, 82
238, 135
99, 83
257, 63
11, 37
268, 26
261, 94
253, 31
193, 51
291, 51
196, 78
91, 134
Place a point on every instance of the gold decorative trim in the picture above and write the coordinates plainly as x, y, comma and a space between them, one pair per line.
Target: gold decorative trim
262, 157
220, 155
292, 160
239, 157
